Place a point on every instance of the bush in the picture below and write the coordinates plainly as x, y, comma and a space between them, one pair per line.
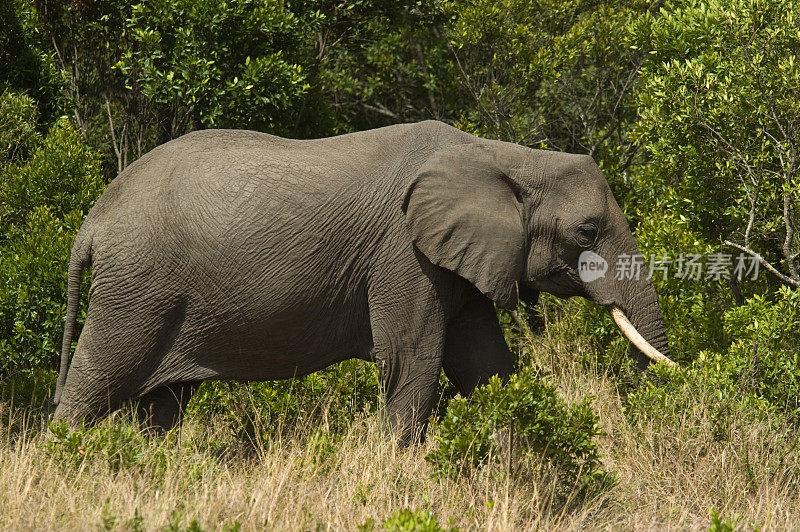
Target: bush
714, 104
333, 397
412, 521
25, 402
33, 287
700, 401
215, 64
62, 174
757, 377
765, 335
43, 200
27, 389
17, 125
116, 445
541, 424
718, 525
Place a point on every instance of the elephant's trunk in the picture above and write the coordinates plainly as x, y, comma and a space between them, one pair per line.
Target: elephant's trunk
637, 339
630, 296
642, 322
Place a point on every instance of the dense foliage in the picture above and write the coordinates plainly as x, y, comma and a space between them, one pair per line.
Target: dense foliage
522, 419
48, 182
692, 108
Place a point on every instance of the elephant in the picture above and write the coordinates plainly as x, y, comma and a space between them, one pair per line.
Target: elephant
233, 254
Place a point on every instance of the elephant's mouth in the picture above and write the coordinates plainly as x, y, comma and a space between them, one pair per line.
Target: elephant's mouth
562, 282
637, 339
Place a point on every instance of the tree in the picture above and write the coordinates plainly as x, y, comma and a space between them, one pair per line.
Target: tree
47, 185
547, 73
138, 75
214, 64
383, 63
719, 113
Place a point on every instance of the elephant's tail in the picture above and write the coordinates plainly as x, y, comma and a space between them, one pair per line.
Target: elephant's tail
80, 258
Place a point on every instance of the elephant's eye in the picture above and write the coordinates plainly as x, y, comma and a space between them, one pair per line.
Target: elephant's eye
587, 235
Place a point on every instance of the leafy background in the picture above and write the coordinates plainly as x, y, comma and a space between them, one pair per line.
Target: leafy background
691, 108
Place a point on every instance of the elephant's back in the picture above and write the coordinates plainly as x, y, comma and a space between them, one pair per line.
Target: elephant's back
221, 177
226, 214
234, 163
207, 183
175, 165
224, 207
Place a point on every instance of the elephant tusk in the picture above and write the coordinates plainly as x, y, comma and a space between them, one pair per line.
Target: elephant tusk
636, 339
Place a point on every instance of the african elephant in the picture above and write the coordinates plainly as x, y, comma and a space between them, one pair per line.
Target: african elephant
230, 254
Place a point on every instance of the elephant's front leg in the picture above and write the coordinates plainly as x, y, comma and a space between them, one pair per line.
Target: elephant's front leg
408, 339
409, 386
476, 349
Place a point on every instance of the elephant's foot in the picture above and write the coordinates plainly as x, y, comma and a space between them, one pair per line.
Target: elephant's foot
163, 408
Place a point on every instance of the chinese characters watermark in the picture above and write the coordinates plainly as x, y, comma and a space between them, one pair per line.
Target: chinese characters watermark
685, 266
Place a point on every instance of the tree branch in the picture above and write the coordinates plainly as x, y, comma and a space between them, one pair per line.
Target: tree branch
380, 109
789, 238
785, 278
117, 149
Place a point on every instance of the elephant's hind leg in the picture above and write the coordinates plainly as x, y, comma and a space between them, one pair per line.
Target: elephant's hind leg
94, 386
163, 408
118, 351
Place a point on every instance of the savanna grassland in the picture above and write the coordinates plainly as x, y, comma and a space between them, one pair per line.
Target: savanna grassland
690, 108
231, 470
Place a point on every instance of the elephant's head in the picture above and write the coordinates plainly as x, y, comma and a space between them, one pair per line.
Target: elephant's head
513, 221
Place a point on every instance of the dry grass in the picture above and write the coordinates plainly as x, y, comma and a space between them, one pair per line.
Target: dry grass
670, 475
290, 483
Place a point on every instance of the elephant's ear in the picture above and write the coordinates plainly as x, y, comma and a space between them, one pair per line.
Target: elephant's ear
463, 213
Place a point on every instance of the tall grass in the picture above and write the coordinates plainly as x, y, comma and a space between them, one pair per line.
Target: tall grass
672, 470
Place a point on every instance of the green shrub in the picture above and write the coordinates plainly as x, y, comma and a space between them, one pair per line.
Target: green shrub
698, 401
62, 174
541, 423
25, 401
332, 397
757, 377
27, 389
117, 445
33, 286
712, 114
765, 335
713, 111
215, 64
43, 200
18, 133
718, 524
412, 521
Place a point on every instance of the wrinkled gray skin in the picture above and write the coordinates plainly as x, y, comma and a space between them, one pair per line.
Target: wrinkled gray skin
240, 255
